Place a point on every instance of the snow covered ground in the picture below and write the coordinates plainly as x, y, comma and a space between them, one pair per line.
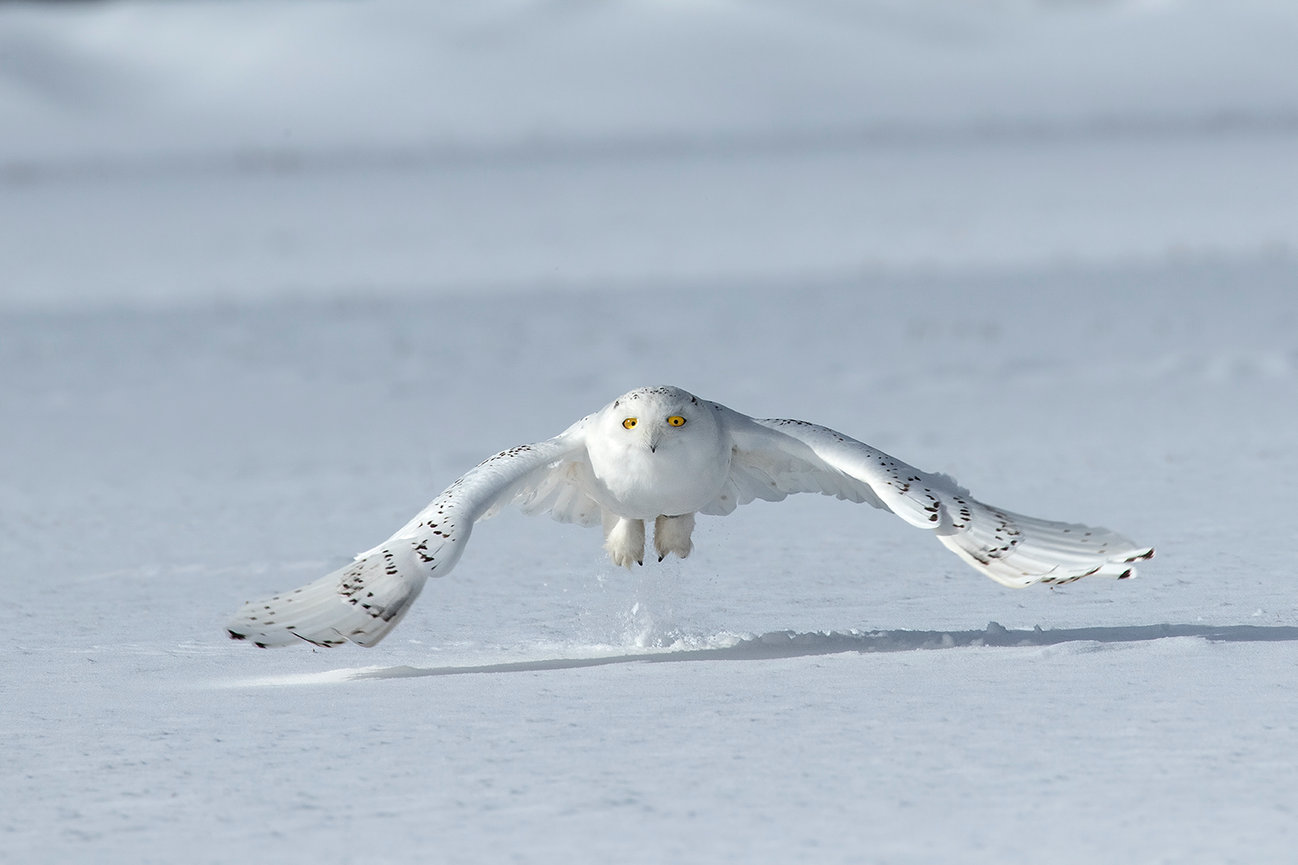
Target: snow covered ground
272, 274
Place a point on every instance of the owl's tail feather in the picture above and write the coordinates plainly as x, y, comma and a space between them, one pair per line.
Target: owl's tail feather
361, 602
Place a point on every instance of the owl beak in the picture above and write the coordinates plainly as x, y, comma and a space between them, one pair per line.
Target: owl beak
655, 436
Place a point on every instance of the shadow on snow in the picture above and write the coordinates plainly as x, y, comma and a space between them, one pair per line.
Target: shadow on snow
788, 644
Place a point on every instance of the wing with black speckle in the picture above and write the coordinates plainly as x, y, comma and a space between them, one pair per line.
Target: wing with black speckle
773, 458
365, 600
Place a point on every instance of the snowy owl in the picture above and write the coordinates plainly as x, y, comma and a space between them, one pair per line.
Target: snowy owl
662, 455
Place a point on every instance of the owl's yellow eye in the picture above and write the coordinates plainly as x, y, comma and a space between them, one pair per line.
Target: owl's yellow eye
676, 420
629, 423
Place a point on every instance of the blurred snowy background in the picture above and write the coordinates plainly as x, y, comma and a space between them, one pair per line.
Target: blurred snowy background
182, 151
273, 273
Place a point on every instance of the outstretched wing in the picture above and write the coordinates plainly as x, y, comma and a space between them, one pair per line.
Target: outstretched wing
773, 458
363, 601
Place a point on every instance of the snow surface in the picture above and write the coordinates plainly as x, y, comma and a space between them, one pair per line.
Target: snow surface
272, 274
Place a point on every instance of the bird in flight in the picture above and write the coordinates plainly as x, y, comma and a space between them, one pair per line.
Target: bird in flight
661, 455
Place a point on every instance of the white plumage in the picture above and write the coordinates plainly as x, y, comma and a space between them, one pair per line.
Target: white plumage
661, 454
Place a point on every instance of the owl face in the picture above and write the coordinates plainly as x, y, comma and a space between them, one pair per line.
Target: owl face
657, 417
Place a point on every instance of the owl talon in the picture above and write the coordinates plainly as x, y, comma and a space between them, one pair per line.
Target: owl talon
672, 535
624, 541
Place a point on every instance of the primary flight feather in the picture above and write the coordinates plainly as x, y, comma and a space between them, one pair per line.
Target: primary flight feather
662, 455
